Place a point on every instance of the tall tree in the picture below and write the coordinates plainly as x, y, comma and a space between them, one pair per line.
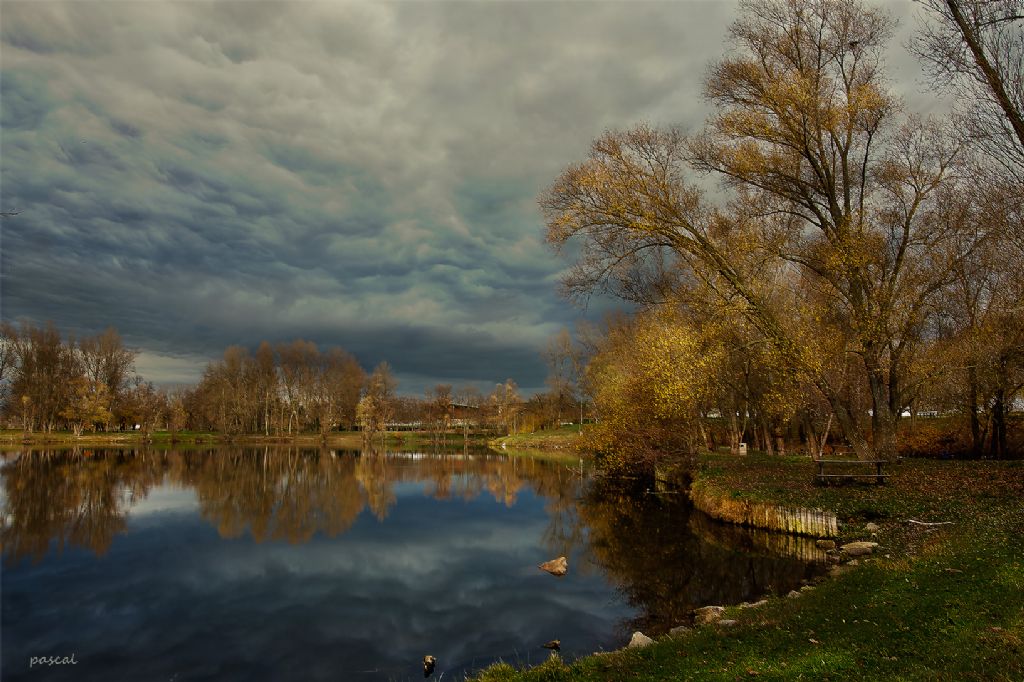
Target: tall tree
505, 404
339, 380
265, 384
832, 192
46, 368
297, 361
565, 365
105, 360
376, 408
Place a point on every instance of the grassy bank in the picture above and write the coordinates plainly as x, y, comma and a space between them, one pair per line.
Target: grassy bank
935, 603
349, 440
562, 438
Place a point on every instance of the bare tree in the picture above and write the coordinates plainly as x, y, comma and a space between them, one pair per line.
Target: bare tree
105, 360
975, 49
45, 370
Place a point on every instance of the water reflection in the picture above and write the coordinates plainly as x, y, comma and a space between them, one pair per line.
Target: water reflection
83, 497
277, 563
669, 559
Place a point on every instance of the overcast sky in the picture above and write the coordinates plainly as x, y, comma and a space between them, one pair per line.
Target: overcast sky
203, 174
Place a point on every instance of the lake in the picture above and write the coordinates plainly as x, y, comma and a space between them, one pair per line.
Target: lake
240, 563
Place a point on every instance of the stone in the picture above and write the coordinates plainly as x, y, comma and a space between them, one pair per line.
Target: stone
859, 548
678, 631
754, 605
872, 527
807, 588
707, 614
727, 622
639, 641
825, 544
557, 567
792, 594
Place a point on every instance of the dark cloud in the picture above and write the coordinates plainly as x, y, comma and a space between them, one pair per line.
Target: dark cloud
204, 174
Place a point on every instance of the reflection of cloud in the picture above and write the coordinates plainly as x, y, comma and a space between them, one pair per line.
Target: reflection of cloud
165, 499
175, 599
413, 553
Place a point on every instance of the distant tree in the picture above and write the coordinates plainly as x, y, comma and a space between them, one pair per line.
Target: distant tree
376, 408
41, 386
337, 382
8, 339
104, 359
469, 397
564, 368
8, 359
176, 415
144, 406
438, 410
265, 384
297, 361
505, 405
89, 405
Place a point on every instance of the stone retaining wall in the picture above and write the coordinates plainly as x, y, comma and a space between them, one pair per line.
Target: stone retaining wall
720, 504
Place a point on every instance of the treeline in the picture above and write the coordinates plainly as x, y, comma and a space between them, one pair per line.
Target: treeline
50, 382
859, 265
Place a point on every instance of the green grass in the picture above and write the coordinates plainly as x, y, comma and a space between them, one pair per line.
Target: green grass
936, 603
562, 438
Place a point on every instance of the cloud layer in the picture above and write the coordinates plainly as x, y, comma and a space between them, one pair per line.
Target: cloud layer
365, 175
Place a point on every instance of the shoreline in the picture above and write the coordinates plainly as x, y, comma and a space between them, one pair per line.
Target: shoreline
928, 601
348, 440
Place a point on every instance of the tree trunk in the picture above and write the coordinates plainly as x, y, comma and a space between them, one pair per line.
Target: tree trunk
847, 425
977, 438
884, 411
998, 445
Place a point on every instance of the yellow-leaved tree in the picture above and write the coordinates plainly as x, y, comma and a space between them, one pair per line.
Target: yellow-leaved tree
652, 377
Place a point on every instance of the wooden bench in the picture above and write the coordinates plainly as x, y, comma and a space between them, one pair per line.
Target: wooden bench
878, 476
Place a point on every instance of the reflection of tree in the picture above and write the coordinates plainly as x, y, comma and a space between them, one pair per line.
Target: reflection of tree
70, 498
375, 478
272, 493
667, 565
280, 494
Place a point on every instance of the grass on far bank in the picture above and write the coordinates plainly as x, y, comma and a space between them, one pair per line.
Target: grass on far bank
562, 438
934, 603
160, 439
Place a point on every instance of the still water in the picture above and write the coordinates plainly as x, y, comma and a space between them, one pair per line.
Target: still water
290, 564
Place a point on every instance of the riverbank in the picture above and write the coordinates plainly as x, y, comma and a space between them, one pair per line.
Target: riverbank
935, 602
344, 440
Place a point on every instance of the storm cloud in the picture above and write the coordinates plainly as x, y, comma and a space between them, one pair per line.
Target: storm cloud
363, 175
